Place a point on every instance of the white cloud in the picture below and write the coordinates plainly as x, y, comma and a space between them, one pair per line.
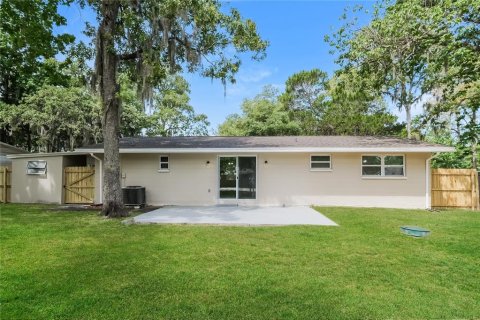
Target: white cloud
237, 89
254, 75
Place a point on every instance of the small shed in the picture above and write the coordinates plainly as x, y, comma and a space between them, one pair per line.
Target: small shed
59, 177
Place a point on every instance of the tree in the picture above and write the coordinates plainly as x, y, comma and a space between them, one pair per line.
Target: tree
172, 113
336, 106
27, 46
149, 39
391, 50
59, 118
306, 97
27, 41
133, 120
264, 115
314, 105
355, 108
454, 73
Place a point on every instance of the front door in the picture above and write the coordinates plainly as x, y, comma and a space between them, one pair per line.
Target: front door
238, 177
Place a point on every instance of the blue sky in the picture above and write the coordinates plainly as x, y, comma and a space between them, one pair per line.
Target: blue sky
295, 30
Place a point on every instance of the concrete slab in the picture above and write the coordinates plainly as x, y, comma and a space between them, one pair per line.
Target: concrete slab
233, 215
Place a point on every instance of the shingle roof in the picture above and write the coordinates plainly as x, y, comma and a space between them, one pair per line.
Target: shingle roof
9, 149
283, 142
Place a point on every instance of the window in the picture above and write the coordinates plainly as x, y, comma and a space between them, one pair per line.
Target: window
320, 162
394, 166
37, 167
164, 165
383, 166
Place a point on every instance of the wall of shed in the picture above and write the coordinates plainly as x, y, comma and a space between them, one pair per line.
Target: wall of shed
46, 188
285, 180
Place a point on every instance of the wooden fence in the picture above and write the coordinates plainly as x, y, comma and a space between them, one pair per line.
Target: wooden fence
455, 188
5, 184
79, 185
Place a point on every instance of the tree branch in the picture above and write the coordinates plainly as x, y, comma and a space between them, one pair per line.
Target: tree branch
130, 55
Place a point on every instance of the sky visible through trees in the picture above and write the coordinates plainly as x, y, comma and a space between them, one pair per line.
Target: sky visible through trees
295, 31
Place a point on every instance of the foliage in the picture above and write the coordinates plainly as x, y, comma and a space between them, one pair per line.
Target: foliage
27, 43
172, 113
305, 98
263, 115
419, 51
314, 105
63, 118
390, 50
355, 108
454, 74
58, 118
364, 269
133, 120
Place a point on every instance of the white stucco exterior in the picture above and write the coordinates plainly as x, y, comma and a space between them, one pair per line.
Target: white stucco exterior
42, 188
286, 179
281, 179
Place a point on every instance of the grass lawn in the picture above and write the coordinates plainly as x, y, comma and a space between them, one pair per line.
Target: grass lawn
77, 265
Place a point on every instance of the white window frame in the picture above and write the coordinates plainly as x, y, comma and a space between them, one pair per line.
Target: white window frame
160, 169
44, 172
383, 166
321, 155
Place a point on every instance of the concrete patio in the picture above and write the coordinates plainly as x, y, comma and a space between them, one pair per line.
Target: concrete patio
234, 215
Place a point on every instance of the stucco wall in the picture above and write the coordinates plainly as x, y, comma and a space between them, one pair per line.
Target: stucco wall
190, 180
46, 188
286, 179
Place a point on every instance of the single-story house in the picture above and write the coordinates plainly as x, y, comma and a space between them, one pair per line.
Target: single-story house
284, 170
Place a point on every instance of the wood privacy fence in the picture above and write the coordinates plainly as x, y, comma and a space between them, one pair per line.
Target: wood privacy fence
5, 184
455, 188
79, 185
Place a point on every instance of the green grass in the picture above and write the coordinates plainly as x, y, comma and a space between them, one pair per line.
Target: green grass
77, 265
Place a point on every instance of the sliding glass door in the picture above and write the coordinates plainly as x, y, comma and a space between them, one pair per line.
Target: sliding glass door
238, 177
228, 177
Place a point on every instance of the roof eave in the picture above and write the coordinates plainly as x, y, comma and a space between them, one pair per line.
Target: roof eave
424, 149
51, 154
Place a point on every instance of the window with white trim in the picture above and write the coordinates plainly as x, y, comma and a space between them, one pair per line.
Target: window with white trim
164, 164
320, 162
37, 167
383, 166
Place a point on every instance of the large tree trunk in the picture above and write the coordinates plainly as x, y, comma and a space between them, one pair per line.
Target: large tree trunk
107, 71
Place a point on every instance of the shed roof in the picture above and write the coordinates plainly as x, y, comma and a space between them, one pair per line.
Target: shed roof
270, 144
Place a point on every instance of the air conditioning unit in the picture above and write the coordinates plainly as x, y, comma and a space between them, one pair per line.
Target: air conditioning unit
134, 196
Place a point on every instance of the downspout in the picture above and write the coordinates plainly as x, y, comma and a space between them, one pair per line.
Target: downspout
101, 174
428, 203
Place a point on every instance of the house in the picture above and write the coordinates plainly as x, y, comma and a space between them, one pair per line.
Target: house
283, 170
6, 149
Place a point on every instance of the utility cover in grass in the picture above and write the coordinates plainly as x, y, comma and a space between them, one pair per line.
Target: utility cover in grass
415, 231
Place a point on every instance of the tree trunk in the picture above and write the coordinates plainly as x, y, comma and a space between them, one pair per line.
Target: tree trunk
474, 140
409, 120
107, 71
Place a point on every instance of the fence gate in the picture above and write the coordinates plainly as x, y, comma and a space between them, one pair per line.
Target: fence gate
5, 184
79, 185
455, 188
